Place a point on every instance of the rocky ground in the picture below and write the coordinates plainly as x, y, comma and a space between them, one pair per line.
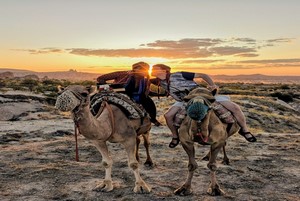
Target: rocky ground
37, 160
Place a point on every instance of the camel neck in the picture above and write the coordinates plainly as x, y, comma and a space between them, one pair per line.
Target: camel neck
89, 126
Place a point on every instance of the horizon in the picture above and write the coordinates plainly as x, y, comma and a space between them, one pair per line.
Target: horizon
73, 70
219, 37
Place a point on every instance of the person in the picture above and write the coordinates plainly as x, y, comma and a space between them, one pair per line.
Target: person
135, 84
176, 84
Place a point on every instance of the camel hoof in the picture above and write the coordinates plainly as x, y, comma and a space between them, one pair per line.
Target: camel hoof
225, 162
215, 191
205, 158
105, 186
141, 187
183, 191
148, 163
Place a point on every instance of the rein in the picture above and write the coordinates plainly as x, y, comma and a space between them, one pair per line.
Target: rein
76, 127
200, 134
76, 120
111, 114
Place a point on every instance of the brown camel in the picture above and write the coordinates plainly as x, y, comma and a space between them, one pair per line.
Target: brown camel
111, 125
217, 133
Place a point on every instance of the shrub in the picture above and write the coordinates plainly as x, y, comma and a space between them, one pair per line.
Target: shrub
284, 97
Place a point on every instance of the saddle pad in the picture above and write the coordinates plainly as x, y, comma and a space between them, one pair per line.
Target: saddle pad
131, 109
223, 113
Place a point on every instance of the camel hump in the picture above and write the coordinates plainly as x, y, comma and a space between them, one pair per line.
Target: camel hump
130, 108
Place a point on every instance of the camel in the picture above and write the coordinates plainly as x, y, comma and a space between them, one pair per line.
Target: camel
111, 125
217, 133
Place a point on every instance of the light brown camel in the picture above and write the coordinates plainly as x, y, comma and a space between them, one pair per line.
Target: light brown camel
217, 133
111, 125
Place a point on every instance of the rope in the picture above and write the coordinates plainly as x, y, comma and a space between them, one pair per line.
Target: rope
76, 142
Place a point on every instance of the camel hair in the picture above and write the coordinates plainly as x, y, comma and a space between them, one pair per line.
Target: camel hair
217, 133
111, 125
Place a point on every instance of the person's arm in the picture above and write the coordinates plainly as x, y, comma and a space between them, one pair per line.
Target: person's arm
111, 76
154, 81
205, 77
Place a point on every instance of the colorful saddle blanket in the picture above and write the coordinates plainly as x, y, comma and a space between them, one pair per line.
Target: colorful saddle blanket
130, 108
223, 113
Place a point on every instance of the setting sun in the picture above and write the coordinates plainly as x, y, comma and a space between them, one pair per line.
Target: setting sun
150, 70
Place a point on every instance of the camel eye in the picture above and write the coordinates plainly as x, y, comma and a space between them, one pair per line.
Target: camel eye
84, 94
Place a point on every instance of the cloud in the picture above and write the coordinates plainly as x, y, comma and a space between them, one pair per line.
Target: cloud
187, 43
273, 42
280, 40
201, 61
143, 52
186, 48
233, 66
247, 40
231, 50
42, 50
247, 55
273, 61
251, 64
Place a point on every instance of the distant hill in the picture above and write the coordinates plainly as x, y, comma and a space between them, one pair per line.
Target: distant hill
67, 75
74, 75
256, 78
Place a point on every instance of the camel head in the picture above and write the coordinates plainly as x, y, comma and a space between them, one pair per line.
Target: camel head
200, 91
73, 96
199, 100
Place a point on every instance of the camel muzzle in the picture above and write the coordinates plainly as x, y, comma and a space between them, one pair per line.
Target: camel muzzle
67, 101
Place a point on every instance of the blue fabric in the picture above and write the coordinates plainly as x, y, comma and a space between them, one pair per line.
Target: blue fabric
137, 95
197, 111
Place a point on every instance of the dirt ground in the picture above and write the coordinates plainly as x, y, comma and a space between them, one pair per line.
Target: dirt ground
37, 163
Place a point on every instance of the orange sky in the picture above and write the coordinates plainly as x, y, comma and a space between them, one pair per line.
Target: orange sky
198, 36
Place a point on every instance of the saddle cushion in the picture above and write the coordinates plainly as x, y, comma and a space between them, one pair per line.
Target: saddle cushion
131, 109
223, 113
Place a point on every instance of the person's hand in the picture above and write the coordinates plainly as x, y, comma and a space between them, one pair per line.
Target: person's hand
104, 87
213, 87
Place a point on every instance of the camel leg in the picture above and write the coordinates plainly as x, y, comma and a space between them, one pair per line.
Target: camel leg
214, 188
138, 141
185, 189
147, 145
140, 184
225, 158
206, 157
106, 185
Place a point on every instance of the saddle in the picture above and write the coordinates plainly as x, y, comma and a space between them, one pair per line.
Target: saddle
197, 104
129, 107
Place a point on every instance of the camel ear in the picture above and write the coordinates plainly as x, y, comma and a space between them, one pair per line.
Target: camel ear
91, 89
60, 88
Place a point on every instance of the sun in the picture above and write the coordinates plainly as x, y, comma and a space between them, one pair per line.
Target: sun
150, 69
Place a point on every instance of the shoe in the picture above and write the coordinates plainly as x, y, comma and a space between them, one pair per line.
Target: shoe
156, 123
248, 136
174, 144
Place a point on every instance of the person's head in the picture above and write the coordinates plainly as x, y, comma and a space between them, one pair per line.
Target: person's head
141, 68
161, 71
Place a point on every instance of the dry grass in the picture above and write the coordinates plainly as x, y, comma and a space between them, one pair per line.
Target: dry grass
37, 160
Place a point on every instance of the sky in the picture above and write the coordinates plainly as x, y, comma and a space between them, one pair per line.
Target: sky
229, 37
